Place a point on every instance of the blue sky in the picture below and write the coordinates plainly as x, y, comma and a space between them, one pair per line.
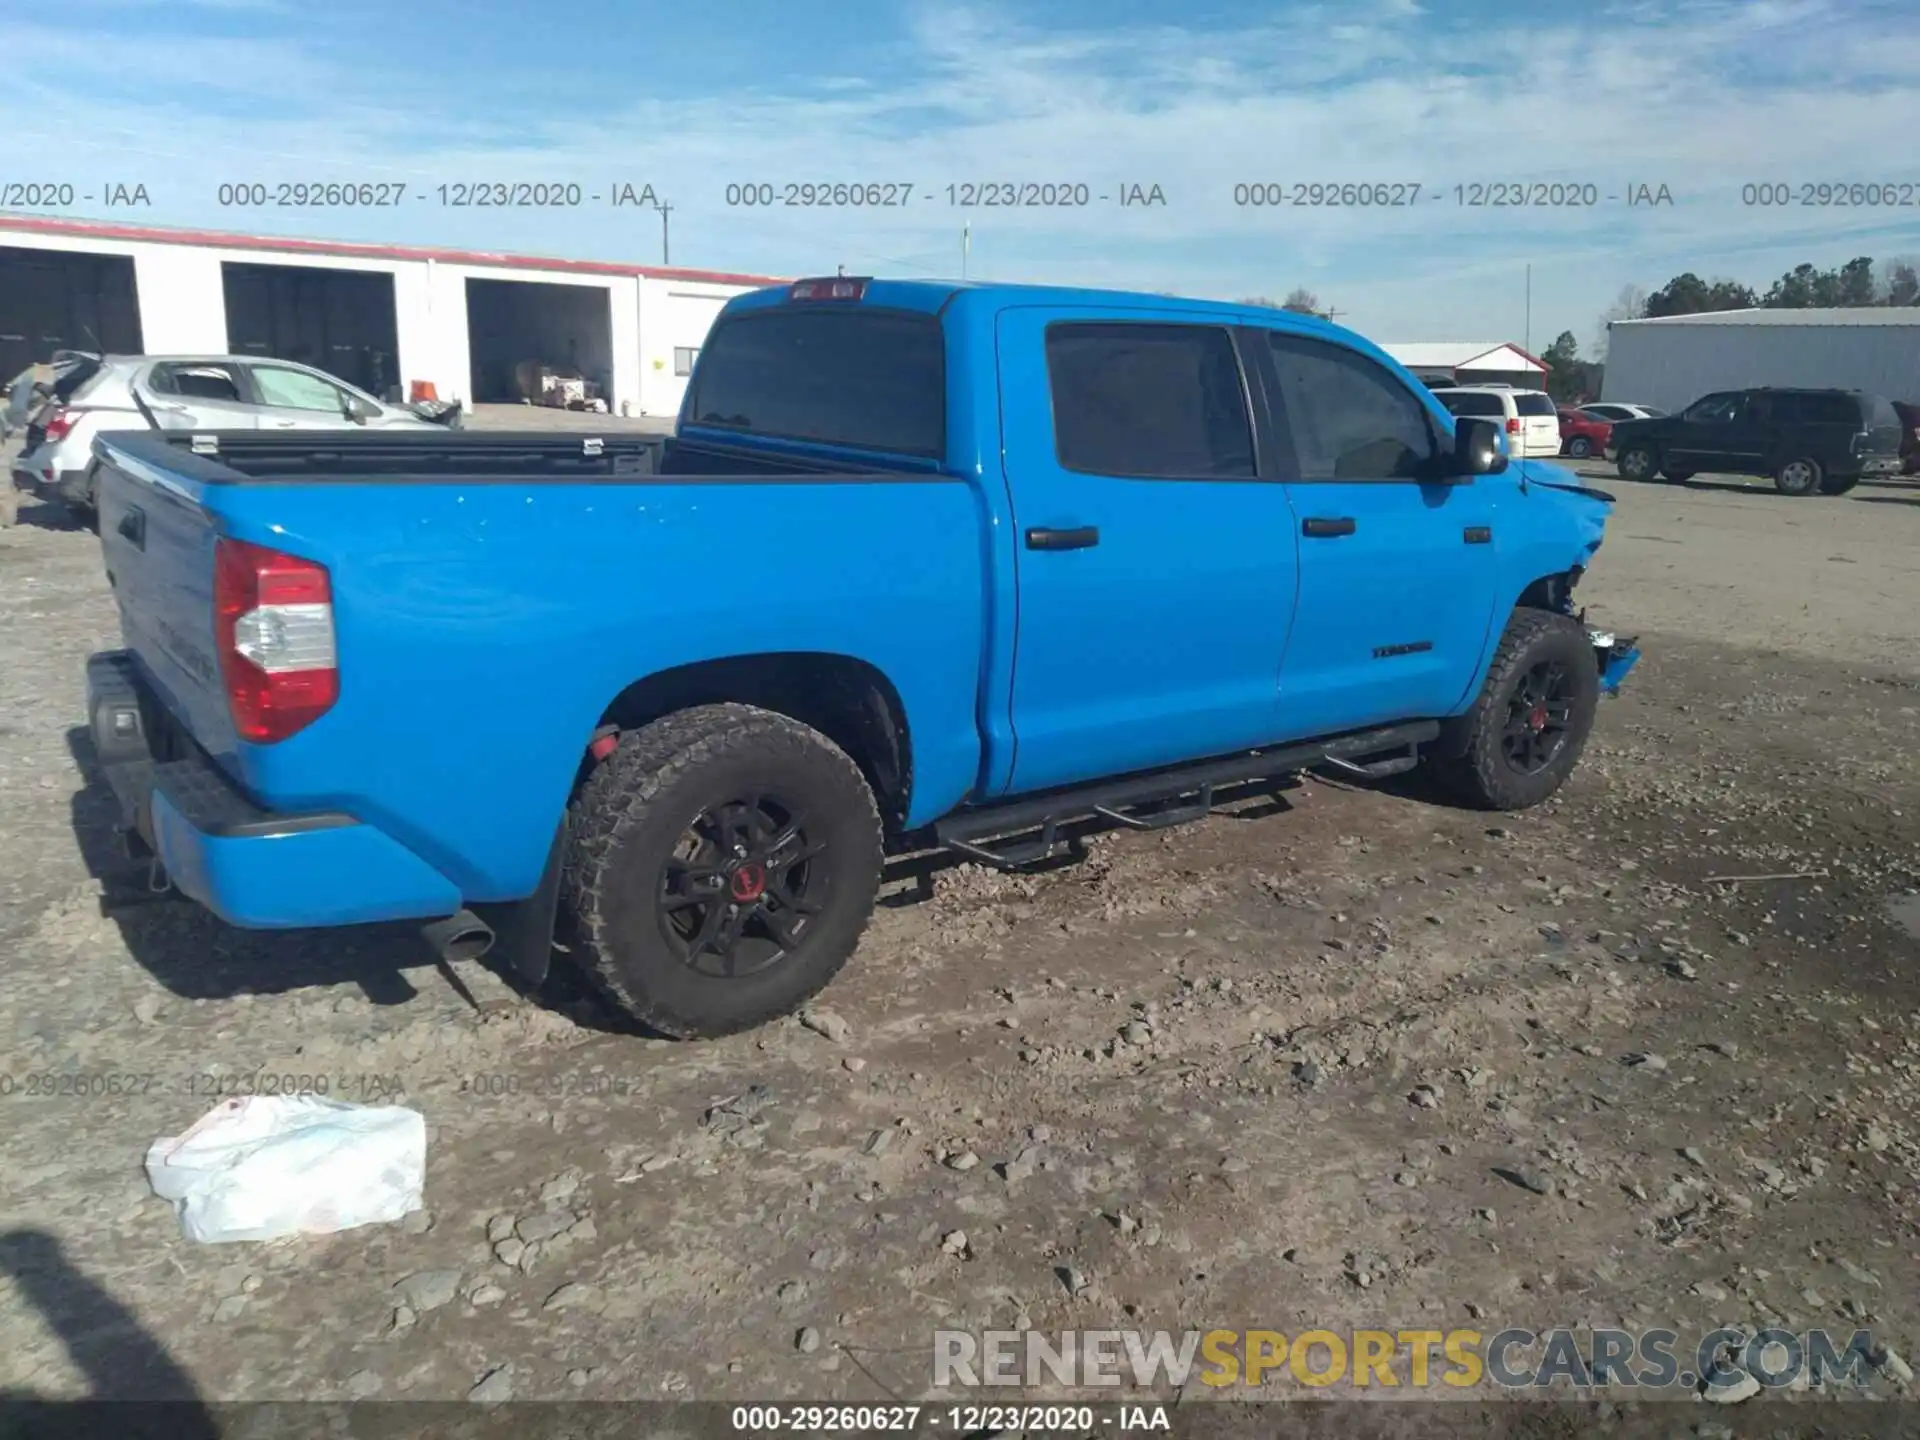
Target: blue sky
1194, 97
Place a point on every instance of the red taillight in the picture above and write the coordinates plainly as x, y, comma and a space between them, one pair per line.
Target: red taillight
1513, 426
58, 423
273, 620
837, 288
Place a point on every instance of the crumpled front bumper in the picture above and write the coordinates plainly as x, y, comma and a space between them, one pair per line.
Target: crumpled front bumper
1615, 656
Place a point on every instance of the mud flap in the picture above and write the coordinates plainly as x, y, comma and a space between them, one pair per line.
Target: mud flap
523, 929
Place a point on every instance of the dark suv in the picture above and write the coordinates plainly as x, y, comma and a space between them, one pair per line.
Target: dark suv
1809, 441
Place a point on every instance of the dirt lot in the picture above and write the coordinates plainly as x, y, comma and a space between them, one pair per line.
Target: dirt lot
1178, 1085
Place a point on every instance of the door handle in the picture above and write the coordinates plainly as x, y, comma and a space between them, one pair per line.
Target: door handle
1328, 525
1084, 538
133, 527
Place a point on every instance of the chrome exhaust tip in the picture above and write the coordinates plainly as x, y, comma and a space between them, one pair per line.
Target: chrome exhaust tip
464, 936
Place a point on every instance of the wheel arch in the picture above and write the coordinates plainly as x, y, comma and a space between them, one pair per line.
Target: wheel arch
1552, 592
849, 700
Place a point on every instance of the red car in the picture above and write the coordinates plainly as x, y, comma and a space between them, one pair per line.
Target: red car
1582, 434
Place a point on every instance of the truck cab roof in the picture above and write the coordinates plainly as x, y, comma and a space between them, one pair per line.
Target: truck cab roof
935, 296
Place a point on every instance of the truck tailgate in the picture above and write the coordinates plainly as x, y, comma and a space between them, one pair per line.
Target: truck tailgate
157, 538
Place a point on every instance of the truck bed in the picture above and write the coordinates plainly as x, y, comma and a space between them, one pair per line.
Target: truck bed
238, 457
494, 593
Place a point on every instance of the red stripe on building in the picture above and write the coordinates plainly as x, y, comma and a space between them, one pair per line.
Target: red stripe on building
287, 245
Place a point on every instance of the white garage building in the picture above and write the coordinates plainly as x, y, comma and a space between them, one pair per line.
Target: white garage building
1674, 360
1468, 362
378, 316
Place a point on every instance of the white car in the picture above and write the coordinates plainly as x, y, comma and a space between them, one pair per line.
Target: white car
1529, 417
1612, 411
93, 394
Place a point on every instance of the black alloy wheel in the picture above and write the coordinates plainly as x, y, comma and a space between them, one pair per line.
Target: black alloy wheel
740, 890
1539, 717
721, 863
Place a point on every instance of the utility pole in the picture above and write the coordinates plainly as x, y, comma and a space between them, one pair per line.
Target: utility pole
665, 254
1527, 343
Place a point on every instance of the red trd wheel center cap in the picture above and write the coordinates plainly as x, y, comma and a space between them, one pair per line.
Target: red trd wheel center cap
1537, 718
749, 882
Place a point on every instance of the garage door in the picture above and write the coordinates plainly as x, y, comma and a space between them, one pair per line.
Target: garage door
566, 328
56, 300
339, 321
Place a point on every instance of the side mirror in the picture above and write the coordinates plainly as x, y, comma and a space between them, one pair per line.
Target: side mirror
1478, 449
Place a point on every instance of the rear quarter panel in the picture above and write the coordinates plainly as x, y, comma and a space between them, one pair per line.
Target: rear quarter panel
483, 629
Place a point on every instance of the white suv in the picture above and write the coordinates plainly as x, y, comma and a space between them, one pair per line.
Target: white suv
1530, 418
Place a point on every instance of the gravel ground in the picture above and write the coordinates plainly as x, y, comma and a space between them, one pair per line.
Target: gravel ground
1341, 1057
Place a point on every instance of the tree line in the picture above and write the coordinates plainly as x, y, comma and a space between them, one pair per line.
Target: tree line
1300, 300
1861, 282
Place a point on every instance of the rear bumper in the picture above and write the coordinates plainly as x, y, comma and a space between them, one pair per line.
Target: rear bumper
1875, 465
67, 486
253, 868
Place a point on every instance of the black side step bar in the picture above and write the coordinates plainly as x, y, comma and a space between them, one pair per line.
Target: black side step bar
969, 832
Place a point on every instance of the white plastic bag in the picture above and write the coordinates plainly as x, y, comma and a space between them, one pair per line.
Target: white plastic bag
264, 1166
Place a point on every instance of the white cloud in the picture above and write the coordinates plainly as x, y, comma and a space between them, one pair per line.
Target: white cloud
1701, 98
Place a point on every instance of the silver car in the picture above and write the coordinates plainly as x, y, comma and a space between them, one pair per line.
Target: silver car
91, 394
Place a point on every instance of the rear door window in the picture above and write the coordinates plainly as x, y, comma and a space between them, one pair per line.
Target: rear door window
1826, 409
1468, 402
831, 373
1149, 401
197, 382
1531, 403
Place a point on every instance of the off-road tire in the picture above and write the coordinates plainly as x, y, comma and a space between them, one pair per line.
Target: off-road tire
1482, 776
1637, 462
1838, 484
633, 809
1799, 475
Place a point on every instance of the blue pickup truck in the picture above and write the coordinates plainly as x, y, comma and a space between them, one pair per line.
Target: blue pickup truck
922, 565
